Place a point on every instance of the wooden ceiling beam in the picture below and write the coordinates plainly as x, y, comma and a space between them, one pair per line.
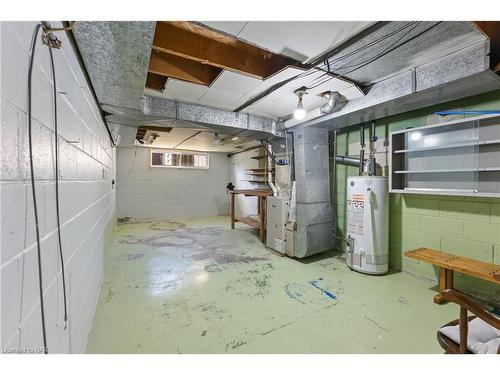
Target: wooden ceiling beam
173, 66
165, 129
492, 30
155, 81
142, 130
193, 42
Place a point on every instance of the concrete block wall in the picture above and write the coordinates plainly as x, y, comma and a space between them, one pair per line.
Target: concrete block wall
467, 226
87, 200
145, 192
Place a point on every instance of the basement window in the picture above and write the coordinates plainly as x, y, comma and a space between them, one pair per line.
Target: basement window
179, 159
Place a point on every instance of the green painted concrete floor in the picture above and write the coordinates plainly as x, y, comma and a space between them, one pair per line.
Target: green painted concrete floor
196, 286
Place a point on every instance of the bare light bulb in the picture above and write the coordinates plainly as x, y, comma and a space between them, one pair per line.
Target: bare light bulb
299, 112
416, 136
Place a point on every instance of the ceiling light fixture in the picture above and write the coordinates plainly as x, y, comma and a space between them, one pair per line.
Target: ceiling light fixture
235, 138
300, 112
217, 139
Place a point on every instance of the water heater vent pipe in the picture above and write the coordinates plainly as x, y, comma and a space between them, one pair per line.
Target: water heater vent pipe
333, 97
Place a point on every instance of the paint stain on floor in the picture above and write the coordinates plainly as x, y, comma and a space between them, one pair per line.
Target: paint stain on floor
196, 286
109, 296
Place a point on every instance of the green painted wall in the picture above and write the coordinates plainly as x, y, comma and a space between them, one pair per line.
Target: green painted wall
465, 226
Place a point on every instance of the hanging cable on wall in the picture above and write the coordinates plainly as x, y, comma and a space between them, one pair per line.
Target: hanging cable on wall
56, 141
51, 41
33, 188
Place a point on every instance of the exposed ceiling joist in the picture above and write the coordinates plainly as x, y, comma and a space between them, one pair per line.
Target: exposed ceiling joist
492, 30
169, 65
142, 130
196, 43
155, 81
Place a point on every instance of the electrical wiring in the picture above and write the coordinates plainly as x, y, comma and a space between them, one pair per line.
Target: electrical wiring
368, 45
309, 72
33, 188
321, 82
56, 141
274, 88
388, 49
384, 50
393, 48
327, 62
32, 173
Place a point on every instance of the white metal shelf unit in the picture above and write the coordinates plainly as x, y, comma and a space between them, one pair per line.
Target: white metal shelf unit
460, 157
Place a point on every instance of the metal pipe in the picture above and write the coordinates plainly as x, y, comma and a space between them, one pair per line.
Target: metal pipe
362, 135
373, 139
362, 151
373, 136
334, 186
334, 165
345, 160
269, 165
333, 97
361, 161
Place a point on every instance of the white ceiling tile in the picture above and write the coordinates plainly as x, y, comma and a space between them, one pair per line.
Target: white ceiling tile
218, 98
151, 92
229, 27
281, 75
235, 82
205, 142
283, 101
277, 77
186, 139
173, 137
184, 91
352, 92
276, 109
300, 40
331, 84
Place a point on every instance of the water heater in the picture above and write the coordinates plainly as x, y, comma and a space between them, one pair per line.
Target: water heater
367, 224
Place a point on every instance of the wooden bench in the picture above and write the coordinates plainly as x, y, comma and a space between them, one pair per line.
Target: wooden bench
258, 221
448, 263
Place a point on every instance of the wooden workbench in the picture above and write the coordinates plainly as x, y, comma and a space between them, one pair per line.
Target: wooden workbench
259, 221
449, 263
